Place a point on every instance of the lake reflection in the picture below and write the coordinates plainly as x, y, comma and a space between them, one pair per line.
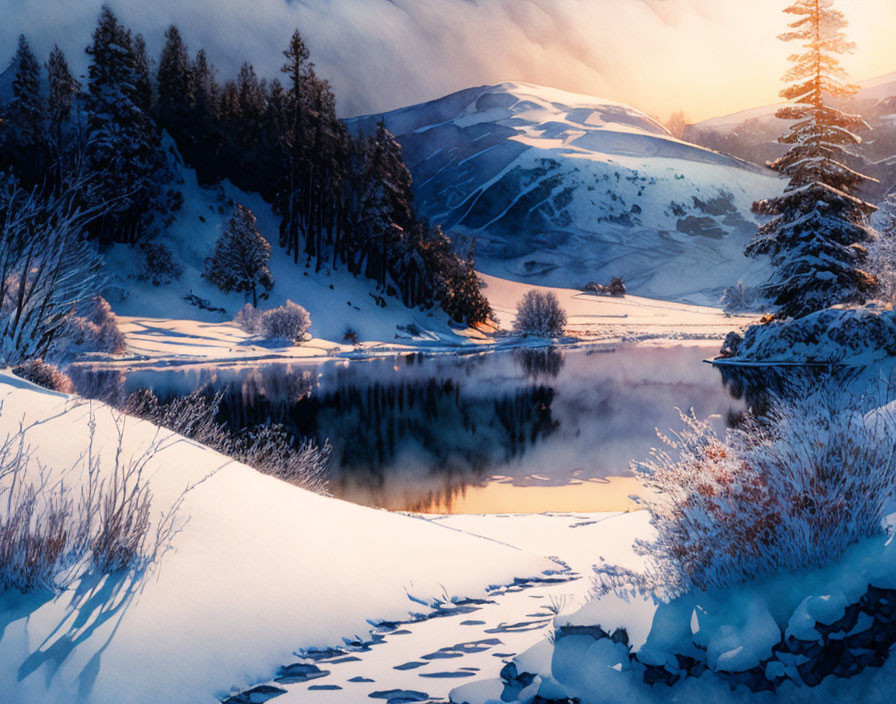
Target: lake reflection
520, 431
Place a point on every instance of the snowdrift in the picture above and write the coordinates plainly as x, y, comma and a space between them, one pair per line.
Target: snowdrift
260, 570
562, 189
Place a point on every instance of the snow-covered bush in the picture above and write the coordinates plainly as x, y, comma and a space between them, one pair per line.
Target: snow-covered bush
288, 322
832, 336
789, 490
742, 299
539, 313
249, 319
160, 267
882, 252
50, 377
93, 328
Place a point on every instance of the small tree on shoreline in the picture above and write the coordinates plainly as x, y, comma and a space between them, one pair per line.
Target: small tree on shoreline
240, 261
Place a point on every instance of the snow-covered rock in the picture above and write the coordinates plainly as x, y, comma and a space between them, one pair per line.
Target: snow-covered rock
838, 335
562, 189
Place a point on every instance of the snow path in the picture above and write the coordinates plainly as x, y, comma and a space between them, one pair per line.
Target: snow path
424, 659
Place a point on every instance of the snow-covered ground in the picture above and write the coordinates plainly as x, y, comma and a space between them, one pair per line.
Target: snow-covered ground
561, 189
260, 570
157, 341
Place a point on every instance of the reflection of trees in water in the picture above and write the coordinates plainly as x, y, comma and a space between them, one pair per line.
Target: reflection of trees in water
757, 386
426, 437
539, 362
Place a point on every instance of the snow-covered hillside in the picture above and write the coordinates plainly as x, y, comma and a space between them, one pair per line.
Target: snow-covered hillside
259, 570
562, 189
337, 300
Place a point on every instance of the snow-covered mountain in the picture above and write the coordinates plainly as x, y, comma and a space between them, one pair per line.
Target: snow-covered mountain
753, 134
872, 93
562, 189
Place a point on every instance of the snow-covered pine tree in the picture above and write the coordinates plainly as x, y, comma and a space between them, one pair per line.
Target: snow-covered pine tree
176, 91
202, 141
61, 95
124, 154
24, 137
819, 226
240, 261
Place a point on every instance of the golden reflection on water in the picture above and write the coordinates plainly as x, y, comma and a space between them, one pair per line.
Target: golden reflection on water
590, 496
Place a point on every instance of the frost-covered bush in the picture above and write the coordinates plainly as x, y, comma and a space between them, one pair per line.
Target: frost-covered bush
249, 319
50, 534
93, 328
47, 375
539, 313
160, 266
288, 322
742, 299
882, 252
269, 449
790, 490
35, 530
43, 279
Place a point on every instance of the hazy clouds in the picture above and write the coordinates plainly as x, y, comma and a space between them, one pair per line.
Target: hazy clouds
704, 56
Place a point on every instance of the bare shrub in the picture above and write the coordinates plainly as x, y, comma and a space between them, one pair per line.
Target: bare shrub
539, 313
46, 375
288, 322
48, 535
790, 490
742, 299
35, 531
269, 449
43, 279
249, 319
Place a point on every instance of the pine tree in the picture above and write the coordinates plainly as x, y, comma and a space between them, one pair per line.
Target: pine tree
62, 91
819, 226
24, 123
240, 261
124, 151
176, 90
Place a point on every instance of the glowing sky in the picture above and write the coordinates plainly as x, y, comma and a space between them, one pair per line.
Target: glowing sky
706, 57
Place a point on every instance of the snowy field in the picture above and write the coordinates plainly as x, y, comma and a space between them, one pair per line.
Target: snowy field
262, 570
153, 342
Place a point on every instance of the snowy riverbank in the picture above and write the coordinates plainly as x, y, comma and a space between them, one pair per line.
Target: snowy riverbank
260, 570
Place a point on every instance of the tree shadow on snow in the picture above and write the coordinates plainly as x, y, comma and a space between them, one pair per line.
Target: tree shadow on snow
95, 602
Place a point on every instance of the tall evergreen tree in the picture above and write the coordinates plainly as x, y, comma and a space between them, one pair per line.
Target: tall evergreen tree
815, 239
62, 91
176, 90
124, 152
24, 137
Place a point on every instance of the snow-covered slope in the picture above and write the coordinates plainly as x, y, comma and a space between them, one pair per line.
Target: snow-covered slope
260, 569
561, 189
336, 300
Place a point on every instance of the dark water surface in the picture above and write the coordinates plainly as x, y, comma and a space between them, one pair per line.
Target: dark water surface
521, 431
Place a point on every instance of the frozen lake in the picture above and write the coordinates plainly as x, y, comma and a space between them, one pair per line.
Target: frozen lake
522, 431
